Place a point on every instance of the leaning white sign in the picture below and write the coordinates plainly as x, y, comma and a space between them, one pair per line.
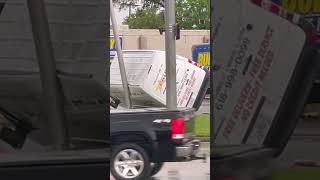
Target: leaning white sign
146, 76
257, 56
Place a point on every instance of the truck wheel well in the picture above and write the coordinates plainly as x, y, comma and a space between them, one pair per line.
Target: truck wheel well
137, 138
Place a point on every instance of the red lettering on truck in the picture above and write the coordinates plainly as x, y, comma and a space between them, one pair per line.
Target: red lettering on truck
241, 100
253, 96
256, 64
266, 65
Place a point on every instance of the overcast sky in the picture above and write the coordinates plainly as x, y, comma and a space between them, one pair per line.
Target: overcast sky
120, 15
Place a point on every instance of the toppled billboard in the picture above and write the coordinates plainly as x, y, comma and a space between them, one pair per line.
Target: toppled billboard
146, 75
255, 45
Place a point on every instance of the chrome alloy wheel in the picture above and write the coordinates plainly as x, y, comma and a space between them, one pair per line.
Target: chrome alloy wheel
128, 163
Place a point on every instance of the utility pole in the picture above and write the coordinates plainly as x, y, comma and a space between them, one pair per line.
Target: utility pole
53, 96
170, 43
123, 73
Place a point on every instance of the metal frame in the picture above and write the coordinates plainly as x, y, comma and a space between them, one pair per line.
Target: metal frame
170, 43
53, 95
123, 73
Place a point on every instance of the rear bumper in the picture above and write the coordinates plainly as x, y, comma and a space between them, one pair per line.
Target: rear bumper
188, 151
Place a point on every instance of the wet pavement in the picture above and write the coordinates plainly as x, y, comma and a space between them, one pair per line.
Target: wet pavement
303, 145
185, 171
205, 106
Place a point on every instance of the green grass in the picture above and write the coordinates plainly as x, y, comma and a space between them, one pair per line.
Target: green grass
202, 125
296, 173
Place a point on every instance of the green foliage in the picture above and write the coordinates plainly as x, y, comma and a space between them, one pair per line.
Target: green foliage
202, 125
146, 3
193, 14
147, 18
190, 14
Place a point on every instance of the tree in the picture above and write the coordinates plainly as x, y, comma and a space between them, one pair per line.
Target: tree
146, 3
190, 14
147, 18
193, 14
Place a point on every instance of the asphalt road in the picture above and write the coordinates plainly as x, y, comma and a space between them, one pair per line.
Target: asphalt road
300, 148
185, 171
304, 144
205, 106
198, 169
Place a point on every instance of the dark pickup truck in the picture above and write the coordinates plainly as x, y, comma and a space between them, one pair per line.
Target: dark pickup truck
142, 140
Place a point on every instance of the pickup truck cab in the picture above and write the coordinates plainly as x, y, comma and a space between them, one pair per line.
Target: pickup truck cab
267, 63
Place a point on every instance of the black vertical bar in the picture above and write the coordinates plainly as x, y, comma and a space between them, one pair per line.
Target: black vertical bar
53, 97
2, 4
254, 119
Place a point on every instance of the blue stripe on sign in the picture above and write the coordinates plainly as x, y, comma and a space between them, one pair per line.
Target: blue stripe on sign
205, 48
312, 18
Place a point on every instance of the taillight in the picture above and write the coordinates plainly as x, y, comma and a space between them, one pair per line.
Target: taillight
177, 129
314, 38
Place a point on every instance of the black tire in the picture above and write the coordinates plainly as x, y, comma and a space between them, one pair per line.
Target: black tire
156, 167
146, 171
